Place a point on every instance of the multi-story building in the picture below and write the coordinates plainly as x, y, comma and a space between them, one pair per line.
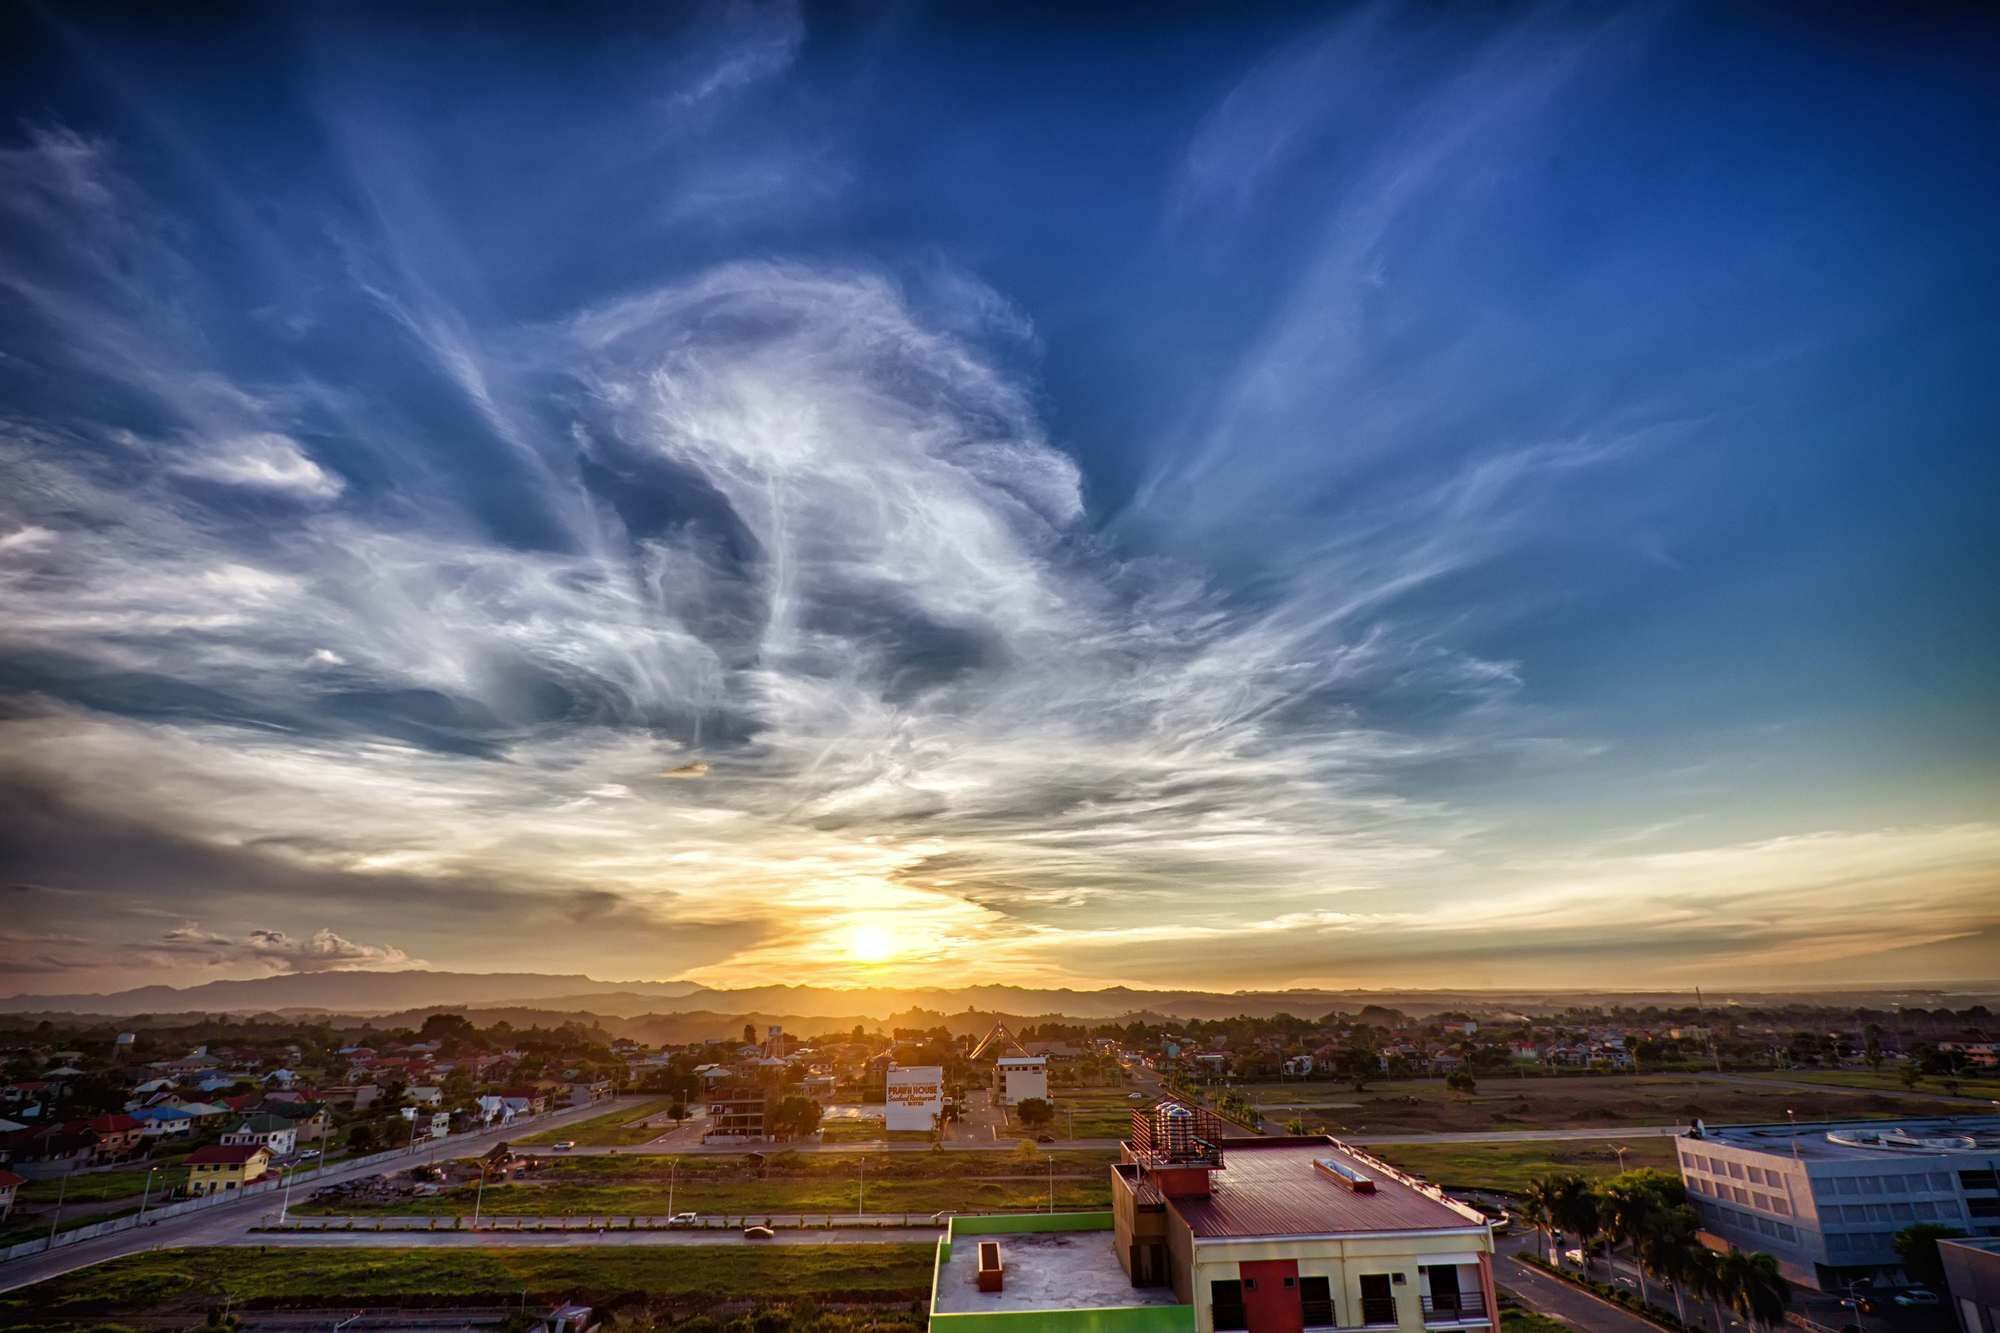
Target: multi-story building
1271, 1235
220, 1168
736, 1114
1972, 1277
1827, 1199
1016, 1078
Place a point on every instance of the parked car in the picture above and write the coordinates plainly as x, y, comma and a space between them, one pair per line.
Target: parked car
563, 1145
758, 1233
1574, 1256
309, 1154
683, 1219
1917, 1296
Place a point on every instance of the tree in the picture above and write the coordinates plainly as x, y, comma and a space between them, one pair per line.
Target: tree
1911, 1074
1667, 1248
1297, 1125
1756, 1289
1917, 1247
1461, 1081
749, 1034
1357, 1064
1026, 1151
678, 1112
1538, 1206
1576, 1211
795, 1117
1034, 1112
1707, 1279
1629, 1208
361, 1139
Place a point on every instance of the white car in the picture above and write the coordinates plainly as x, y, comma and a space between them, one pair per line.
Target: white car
683, 1219
1575, 1256
1917, 1296
563, 1145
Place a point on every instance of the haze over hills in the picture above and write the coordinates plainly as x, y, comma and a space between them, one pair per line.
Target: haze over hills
378, 993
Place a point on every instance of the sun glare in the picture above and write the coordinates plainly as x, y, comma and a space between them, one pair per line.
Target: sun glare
869, 942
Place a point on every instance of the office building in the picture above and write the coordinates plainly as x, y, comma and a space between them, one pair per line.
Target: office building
1826, 1199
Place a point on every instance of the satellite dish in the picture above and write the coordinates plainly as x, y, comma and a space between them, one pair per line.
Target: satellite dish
1700, 1130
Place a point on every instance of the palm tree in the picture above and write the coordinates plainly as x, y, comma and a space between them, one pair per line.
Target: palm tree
1668, 1247
1630, 1207
1538, 1205
1576, 1211
1756, 1289
1705, 1275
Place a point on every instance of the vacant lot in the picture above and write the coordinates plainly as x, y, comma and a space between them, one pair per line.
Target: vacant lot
189, 1281
610, 1130
1967, 1086
784, 1183
100, 1186
1425, 1106
1510, 1166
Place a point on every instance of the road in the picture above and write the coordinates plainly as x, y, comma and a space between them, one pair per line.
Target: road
224, 1223
488, 1240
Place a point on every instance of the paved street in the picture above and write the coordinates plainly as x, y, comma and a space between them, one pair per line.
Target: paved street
227, 1223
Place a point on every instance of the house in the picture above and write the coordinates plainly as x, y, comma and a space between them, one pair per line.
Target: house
204, 1113
1298, 1066
216, 1170
118, 1136
493, 1107
165, 1122
526, 1100
1018, 1078
440, 1124
309, 1118
426, 1097
48, 1150
591, 1090
271, 1132
9, 1182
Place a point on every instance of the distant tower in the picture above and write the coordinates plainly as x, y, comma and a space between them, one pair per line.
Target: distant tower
774, 1041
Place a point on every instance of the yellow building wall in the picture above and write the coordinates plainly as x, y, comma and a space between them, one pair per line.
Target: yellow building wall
1343, 1262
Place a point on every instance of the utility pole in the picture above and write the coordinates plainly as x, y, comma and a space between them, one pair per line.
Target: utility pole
285, 1204
861, 1199
673, 1165
479, 1195
62, 1191
147, 1195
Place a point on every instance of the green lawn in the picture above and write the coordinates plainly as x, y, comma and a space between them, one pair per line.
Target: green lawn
98, 1186
785, 1183
611, 1130
1510, 1166
191, 1280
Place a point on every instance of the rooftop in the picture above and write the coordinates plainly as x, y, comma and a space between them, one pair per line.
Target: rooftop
1045, 1270
1862, 1140
1272, 1187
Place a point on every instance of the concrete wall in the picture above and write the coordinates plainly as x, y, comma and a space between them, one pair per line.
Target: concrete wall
1343, 1263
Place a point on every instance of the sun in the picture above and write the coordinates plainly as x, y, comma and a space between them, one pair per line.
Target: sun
870, 942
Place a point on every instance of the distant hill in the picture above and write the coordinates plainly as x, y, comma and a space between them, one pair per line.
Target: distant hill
350, 992
815, 1008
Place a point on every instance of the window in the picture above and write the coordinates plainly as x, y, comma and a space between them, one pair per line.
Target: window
1848, 1185
1227, 1300
1756, 1175
1780, 1207
1316, 1301
1761, 1199
1736, 1170
1978, 1180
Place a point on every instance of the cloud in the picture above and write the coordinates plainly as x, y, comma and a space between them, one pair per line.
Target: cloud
695, 768
264, 460
276, 951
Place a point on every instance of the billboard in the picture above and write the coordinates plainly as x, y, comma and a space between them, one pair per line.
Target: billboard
916, 1096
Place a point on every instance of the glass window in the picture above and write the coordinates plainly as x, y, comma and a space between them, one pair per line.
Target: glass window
1756, 1175
1847, 1185
1736, 1170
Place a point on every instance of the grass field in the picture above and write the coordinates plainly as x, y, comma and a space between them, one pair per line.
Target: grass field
788, 1183
1510, 1166
189, 1281
1101, 1113
1425, 1106
99, 1186
611, 1130
1861, 1078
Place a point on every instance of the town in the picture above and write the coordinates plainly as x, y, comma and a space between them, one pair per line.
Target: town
874, 1136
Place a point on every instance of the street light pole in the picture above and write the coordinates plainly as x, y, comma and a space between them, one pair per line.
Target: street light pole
479, 1196
62, 1191
285, 1204
673, 1165
147, 1195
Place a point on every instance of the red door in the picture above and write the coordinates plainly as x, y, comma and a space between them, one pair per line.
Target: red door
1271, 1296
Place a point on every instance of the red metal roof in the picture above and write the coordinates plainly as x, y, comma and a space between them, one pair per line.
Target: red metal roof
1269, 1187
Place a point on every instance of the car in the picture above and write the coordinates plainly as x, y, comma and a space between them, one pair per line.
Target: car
1574, 1256
308, 1154
1045, 1138
1917, 1296
683, 1219
1135, 1096
563, 1145
758, 1233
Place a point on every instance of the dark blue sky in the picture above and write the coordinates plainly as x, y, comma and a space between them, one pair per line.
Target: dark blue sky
1191, 498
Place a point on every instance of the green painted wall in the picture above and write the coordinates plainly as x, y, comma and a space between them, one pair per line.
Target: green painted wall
1122, 1319
1000, 1224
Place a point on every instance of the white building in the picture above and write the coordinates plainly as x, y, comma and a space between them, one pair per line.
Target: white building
1016, 1078
915, 1097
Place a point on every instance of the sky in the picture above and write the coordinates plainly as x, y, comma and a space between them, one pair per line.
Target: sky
1225, 496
